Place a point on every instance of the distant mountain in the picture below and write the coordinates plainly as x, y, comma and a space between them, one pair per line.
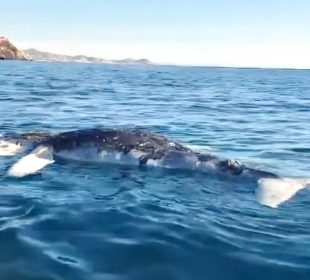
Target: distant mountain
9, 51
48, 56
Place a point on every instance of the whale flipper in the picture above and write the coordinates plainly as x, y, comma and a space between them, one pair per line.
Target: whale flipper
274, 191
33, 162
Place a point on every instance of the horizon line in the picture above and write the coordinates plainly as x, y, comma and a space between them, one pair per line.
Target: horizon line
153, 62
171, 63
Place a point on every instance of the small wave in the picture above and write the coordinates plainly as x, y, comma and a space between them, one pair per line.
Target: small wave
300, 150
199, 148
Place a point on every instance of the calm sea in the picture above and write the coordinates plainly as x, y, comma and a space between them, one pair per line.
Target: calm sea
87, 221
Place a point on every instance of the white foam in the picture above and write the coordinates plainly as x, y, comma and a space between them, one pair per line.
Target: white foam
273, 191
199, 148
32, 163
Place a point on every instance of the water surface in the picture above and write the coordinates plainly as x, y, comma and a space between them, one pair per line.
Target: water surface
88, 221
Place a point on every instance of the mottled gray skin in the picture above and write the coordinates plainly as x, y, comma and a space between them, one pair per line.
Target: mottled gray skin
153, 146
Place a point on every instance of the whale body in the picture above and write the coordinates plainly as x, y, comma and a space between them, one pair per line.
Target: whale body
127, 147
136, 147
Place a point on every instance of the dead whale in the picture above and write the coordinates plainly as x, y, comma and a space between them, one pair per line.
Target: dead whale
137, 147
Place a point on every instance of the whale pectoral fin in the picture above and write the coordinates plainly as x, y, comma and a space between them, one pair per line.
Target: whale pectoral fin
274, 191
33, 162
8, 148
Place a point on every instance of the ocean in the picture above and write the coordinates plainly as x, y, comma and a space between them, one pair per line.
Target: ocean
89, 221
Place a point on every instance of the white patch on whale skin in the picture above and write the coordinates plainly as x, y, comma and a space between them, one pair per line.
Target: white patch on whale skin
32, 163
155, 162
273, 191
131, 158
93, 154
136, 154
206, 166
80, 154
171, 144
8, 148
175, 160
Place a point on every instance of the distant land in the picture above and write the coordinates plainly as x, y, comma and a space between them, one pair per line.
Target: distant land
48, 56
8, 52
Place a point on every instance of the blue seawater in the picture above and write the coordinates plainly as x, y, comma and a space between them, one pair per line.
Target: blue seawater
90, 221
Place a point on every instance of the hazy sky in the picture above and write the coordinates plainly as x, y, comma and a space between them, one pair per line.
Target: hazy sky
272, 33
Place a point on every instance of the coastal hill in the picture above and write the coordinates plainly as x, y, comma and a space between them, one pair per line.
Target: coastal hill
48, 56
9, 51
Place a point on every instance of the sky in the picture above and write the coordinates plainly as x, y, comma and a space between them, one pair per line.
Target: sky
238, 33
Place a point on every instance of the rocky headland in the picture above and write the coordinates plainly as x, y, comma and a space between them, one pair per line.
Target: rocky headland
9, 51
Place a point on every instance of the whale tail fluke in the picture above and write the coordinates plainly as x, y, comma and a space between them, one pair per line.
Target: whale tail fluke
274, 191
33, 162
